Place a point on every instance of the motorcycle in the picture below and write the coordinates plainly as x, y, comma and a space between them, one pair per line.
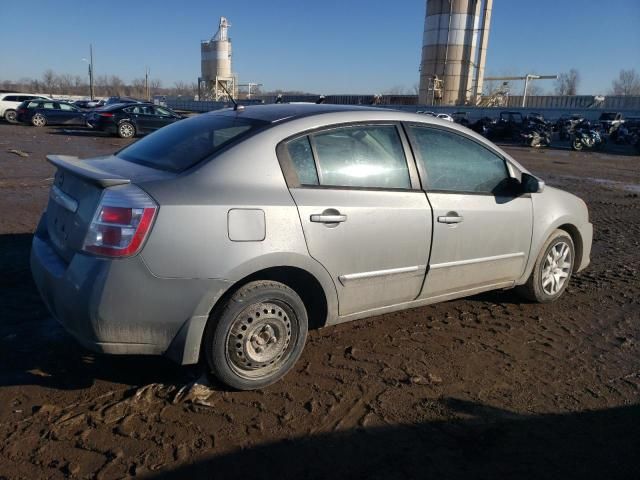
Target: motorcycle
585, 136
536, 135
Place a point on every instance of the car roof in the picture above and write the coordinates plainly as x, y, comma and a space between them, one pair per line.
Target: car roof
278, 112
116, 106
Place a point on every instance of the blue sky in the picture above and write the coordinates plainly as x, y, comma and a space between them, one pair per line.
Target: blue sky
330, 46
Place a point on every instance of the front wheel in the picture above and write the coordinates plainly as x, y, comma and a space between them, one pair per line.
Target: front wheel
552, 270
38, 120
256, 336
11, 116
576, 144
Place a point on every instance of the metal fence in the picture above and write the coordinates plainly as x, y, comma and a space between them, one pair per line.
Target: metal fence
552, 107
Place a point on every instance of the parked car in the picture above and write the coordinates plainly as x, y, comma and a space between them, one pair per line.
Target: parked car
115, 100
508, 127
462, 118
9, 104
128, 120
48, 112
86, 104
227, 235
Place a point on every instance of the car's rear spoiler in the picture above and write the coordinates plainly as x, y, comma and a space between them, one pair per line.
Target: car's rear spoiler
86, 171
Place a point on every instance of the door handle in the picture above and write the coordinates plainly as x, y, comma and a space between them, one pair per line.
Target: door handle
328, 218
450, 218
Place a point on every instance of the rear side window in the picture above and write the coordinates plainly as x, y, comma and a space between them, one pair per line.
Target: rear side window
48, 105
11, 98
368, 156
183, 144
455, 163
64, 106
302, 158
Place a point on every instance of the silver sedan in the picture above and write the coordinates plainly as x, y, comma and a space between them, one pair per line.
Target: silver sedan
226, 236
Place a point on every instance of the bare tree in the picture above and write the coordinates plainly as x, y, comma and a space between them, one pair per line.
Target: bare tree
154, 86
567, 83
534, 89
627, 83
116, 86
49, 81
137, 87
65, 83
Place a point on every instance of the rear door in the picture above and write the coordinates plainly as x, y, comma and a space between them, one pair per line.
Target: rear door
363, 215
482, 226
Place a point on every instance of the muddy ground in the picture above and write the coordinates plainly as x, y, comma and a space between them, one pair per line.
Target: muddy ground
486, 387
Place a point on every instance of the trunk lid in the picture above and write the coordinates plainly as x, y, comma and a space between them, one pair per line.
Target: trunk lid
76, 191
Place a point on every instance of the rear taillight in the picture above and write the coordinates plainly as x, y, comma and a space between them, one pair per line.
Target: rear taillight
107, 115
121, 223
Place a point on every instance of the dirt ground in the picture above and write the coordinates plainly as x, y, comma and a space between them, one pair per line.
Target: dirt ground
485, 387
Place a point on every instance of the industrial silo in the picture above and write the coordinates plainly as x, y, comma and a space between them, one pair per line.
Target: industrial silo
456, 35
216, 64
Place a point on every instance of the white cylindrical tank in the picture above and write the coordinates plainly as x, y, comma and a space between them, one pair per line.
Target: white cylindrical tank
216, 55
449, 67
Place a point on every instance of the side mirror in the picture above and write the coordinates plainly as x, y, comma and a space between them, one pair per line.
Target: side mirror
531, 184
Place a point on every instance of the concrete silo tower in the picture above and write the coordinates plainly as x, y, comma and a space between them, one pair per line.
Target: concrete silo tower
454, 50
216, 64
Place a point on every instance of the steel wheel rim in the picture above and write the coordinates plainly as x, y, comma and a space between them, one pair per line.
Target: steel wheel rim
556, 268
38, 120
261, 339
126, 130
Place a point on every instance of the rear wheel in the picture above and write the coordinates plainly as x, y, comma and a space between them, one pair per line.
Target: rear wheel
38, 120
552, 270
256, 336
126, 130
10, 116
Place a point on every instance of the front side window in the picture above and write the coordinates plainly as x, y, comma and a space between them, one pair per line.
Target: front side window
48, 106
67, 108
362, 156
455, 163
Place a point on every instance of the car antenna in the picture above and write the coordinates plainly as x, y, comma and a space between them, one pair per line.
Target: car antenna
236, 107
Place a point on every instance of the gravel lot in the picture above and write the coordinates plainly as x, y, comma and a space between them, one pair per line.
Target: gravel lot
485, 387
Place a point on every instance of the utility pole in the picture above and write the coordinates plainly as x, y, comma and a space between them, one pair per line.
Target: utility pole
146, 83
91, 70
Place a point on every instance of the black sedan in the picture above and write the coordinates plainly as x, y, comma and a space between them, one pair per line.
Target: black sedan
48, 112
128, 120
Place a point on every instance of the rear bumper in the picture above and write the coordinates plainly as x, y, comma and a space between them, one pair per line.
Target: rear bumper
119, 307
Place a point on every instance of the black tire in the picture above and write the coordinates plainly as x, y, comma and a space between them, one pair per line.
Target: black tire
10, 116
534, 289
38, 120
256, 336
576, 144
126, 130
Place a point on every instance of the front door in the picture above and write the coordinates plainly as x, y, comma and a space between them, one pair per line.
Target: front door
364, 217
482, 225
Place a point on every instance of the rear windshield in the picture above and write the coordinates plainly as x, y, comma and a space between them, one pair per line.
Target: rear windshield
181, 145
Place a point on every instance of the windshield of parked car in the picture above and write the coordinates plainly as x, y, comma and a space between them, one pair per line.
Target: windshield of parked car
185, 143
608, 116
